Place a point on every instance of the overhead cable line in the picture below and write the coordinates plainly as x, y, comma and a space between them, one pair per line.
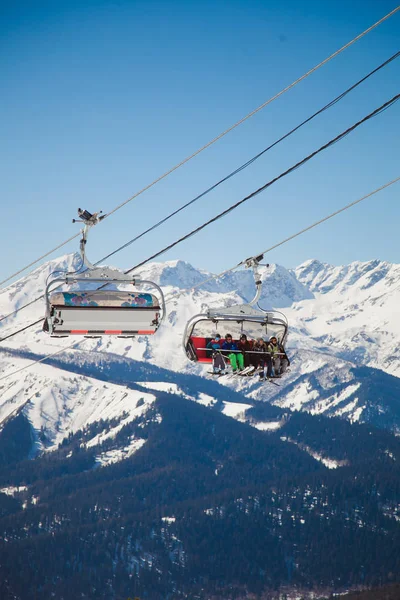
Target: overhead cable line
17, 310
218, 137
222, 214
6, 337
174, 296
256, 110
219, 275
34, 262
252, 160
41, 359
240, 202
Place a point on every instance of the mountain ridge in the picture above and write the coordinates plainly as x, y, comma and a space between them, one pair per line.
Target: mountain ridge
317, 319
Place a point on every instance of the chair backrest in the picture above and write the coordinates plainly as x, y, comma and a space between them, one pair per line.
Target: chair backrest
199, 343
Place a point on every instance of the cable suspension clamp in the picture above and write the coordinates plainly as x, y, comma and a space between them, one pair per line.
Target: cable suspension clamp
253, 263
89, 220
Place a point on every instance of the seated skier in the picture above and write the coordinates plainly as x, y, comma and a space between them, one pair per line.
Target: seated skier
262, 358
213, 344
232, 351
245, 346
219, 364
280, 360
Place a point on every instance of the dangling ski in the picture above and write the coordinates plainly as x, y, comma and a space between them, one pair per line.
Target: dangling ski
269, 379
247, 371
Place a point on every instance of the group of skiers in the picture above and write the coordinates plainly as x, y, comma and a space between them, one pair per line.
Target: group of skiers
268, 357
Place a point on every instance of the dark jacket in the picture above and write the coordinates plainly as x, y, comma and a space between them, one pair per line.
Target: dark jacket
260, 354
282, 349
245, 347
261, 348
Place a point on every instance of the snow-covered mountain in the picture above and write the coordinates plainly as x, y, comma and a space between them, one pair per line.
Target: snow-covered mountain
278, 484
355, 313
341, 318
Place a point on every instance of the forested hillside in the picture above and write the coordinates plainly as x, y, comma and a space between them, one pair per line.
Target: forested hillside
208, 506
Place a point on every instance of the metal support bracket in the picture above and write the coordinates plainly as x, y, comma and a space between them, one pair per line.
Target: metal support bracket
89, 221
253, 263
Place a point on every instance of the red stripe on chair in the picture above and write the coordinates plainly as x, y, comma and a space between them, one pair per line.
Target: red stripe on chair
145, 331
79, 331
113, 331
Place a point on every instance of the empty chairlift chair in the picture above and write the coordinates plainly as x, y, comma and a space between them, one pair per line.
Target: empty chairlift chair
100, 312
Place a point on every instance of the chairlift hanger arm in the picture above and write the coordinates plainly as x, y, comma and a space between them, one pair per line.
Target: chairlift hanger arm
253, 263
89, 220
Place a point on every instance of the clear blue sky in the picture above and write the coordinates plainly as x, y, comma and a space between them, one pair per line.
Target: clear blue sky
98, 98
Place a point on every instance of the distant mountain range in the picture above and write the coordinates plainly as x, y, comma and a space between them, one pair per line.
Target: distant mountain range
126, 470
344, 334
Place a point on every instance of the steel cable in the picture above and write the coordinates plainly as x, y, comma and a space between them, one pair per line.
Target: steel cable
213, 277
217, 138
333, 141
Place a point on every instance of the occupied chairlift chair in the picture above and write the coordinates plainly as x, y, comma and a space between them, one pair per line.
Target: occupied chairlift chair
98, 312
236, 320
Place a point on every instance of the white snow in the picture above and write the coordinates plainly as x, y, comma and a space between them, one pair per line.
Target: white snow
206, 400
11, 490
233, 409
268, 426
339, 317
162, 386
336, 399
112, 456
356, 309
330, 463
357, 414
168, 519
59, 403
349, 408
111, 433
302, 394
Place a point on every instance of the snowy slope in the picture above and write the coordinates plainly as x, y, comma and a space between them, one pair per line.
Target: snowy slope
58, 403
355, 313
